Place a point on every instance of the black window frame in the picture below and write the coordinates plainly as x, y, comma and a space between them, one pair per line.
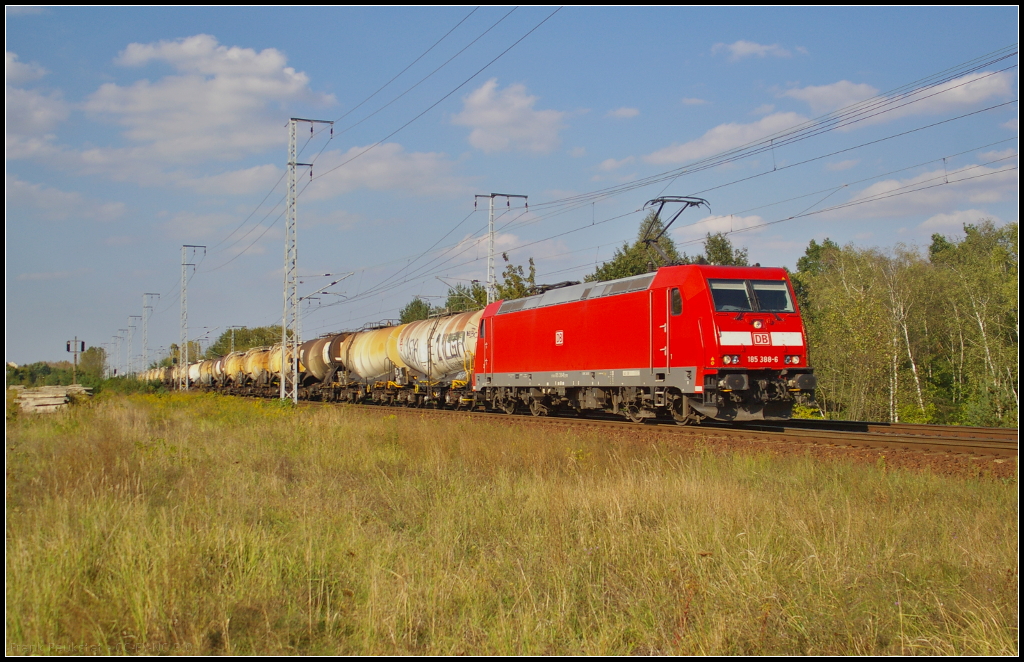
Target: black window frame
752, 297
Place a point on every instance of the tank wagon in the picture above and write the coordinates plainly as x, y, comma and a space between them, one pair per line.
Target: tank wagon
685, 342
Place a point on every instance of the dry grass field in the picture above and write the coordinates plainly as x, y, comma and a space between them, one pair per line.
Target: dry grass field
205, 524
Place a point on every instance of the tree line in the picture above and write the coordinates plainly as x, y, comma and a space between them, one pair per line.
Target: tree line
923, 338
91, 366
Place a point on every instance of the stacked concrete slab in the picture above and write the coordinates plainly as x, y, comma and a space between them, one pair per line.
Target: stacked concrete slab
48, 399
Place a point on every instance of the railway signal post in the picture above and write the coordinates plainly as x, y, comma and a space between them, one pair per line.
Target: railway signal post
73, 347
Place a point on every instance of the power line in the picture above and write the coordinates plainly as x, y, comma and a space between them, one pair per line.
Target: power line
422, 55
433, 105
417, 84
840, 118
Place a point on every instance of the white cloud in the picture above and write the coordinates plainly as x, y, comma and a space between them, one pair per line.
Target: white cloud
17, 73
742, 49
1005, 154
29, 146
954, 95
507, 120
611, 164
826, 98
910, 197
842, 165
28, 112
763, 109
1012, 125
955, 221
236, 182
692, 101
387, 167
624, 113
715, 224
51, 204
223, 104
724, 137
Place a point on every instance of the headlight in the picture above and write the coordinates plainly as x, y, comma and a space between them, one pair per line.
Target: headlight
758, 324
726, 359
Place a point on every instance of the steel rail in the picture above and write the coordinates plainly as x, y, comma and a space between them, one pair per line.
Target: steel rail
920, 438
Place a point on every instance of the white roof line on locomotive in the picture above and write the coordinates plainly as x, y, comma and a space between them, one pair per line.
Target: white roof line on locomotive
578, 292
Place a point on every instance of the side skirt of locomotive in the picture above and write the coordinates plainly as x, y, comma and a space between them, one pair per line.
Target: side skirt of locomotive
734, 395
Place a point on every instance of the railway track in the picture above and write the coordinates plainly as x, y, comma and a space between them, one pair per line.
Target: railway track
838, 434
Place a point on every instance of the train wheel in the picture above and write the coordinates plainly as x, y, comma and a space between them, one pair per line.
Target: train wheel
538, 409
508, 406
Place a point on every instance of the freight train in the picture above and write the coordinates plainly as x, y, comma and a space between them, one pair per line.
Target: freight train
687, 343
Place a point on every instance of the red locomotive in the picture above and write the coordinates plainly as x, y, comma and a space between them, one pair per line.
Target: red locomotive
689, 342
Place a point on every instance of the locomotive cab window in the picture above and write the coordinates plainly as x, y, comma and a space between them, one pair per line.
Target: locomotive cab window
730, 295
676, 301
772, 296
483, 327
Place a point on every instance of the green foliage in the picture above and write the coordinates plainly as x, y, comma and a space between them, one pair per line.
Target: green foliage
812, 264
897, 337
245, 338
515, 283
41, 373
174, 355
718, 250
637, 258
126, 386
417, 309
462, 298
91, 364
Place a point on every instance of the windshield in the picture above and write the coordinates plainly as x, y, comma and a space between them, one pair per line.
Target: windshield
730, 295
772, 296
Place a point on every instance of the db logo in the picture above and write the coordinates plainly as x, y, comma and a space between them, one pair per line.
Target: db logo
762, 339
559, 337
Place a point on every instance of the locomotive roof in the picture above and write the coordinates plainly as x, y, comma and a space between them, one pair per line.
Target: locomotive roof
599, 289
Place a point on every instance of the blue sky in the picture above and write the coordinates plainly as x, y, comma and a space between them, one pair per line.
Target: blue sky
133, 131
